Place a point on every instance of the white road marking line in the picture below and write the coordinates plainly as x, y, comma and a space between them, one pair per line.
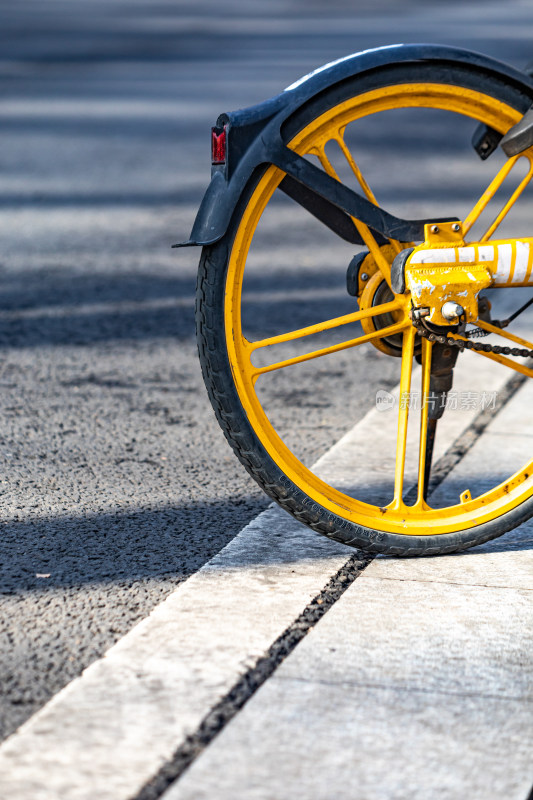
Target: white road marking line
110, 730
415, 684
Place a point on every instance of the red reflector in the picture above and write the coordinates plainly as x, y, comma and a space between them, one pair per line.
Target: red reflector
218, 145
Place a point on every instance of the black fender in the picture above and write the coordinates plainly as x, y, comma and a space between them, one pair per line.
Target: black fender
254, 138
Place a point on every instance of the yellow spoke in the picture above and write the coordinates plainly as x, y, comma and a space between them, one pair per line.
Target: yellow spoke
403, 413
498, 357
506, 334
510, 203
355, 169
362, 181
394, 305
489, 193
426, 375
364, 231
506, 362
336, 348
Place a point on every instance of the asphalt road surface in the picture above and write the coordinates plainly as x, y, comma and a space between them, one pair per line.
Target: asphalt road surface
117, 483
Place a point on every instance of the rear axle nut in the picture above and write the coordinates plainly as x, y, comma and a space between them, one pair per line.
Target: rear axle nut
451, 310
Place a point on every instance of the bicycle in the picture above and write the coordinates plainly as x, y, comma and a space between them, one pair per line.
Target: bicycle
420, 288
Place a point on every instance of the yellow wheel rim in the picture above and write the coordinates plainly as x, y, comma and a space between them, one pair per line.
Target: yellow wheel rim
399, 518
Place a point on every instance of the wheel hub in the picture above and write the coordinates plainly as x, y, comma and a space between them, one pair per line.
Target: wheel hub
376, 293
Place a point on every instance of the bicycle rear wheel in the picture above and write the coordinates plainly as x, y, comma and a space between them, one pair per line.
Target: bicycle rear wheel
245, 279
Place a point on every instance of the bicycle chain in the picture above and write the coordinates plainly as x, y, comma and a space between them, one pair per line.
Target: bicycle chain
467, 344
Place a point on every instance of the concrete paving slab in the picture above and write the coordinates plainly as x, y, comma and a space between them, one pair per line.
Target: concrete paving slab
494, 462
491, 564
516, 419
411, 635
358, 743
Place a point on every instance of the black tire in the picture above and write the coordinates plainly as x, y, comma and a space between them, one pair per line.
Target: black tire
217, 373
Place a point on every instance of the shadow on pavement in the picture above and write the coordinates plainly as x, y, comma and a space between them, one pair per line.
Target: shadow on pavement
118, 547
132, 546
46, 308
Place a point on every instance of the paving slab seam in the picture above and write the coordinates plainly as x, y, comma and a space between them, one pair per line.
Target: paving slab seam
221, 714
